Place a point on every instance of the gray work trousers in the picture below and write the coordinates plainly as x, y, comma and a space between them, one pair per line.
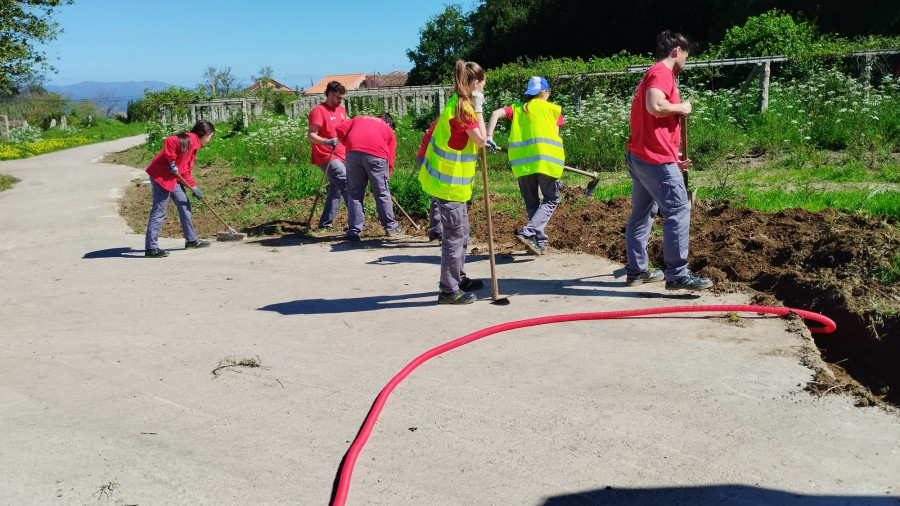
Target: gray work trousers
657, 186
539, 211
434, 219
158, 213
337, 191
455, 225
363, 169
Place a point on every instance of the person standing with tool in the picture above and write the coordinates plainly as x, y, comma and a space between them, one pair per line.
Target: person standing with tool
536, 156
655, 168
322, 136
448, 173
176, 157
371, 146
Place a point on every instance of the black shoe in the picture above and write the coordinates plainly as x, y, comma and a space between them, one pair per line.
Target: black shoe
689, 282
457, 297
435, 237
531, 244
471, 285
156, 253
651, 276
196, 244
352, 237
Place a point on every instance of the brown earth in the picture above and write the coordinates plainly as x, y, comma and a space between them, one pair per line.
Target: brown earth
818, 261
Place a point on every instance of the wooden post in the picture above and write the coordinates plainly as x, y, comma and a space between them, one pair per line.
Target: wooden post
764, 86
577, 93
4, 127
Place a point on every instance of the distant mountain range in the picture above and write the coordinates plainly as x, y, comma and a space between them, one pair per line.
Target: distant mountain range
126, 90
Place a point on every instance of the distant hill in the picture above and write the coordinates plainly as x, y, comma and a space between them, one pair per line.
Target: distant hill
107, 95
127, 90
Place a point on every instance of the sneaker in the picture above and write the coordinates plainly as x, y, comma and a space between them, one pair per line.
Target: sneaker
352, 237
156, 253
396, 232
689, 282
651, 276
457, 297
531, 245
196, 244
471, 285
435, 237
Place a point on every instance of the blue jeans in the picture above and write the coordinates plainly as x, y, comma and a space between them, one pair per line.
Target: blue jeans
657, 186
158, 213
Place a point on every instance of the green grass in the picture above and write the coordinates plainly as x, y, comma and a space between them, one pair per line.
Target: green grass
7, 181
890, 273
31, 141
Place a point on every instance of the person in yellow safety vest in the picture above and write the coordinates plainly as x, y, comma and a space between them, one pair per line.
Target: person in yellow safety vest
536, 156
448, 172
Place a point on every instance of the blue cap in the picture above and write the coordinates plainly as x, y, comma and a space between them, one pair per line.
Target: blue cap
536, 85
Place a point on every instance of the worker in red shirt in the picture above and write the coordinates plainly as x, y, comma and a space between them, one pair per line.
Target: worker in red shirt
434, 214
321, 134
371, 146
176, 157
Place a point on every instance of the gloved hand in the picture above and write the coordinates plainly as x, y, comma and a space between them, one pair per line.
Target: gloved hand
478, 98
173, 169
492, 145
332, 142
197, 194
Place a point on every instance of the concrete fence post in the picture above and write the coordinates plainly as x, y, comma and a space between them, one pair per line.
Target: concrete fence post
4, 127
62, 123
764, 75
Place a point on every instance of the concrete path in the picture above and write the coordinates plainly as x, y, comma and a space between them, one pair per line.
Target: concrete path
108, 395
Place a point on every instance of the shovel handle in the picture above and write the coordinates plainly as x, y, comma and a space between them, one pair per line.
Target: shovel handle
185, 183
593, 175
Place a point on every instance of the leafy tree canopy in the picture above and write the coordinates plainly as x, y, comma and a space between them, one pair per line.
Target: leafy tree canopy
444, 39
24, 23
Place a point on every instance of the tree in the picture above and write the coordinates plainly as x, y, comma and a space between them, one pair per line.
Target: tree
444, 39
263, 76
24, 23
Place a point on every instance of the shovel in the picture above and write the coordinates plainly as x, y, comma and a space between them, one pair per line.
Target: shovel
231, 235
684, 156
595, 178
495, 295
319, 191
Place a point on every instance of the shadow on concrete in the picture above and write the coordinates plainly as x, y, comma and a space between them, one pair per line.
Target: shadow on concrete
709, 495
353, 305
115, 252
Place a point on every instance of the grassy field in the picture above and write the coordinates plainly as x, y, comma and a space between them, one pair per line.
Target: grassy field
32, 141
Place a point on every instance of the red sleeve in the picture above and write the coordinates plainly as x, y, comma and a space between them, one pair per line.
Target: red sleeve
315, 117
392, 150
424, 146
509, 112
170, 148
560, 121
343, 129
663, 81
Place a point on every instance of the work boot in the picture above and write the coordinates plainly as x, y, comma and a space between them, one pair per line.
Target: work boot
396, 232
156, 253
457, 297
689, 282
651, 276
531, 244
196, 244
471, 285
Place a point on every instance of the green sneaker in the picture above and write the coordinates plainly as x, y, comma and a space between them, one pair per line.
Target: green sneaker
689, 282
651, 276
457, 297
196, 244
156, 253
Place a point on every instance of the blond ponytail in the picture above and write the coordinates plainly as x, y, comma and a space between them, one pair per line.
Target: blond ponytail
464, 75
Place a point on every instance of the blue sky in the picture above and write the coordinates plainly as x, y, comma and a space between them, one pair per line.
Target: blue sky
176, 41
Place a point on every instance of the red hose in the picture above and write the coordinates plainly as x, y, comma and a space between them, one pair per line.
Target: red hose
343, 485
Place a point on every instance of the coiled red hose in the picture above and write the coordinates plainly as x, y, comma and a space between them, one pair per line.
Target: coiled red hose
343, 485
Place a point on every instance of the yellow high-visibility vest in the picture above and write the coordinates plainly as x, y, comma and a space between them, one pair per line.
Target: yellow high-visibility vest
448, 173
534, 146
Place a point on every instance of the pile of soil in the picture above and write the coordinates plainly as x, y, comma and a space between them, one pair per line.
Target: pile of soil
823, 261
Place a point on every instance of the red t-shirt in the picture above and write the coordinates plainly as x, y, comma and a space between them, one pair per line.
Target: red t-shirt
655, 140
369, 135
509, 115
159, 167
458, 136
327, 119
